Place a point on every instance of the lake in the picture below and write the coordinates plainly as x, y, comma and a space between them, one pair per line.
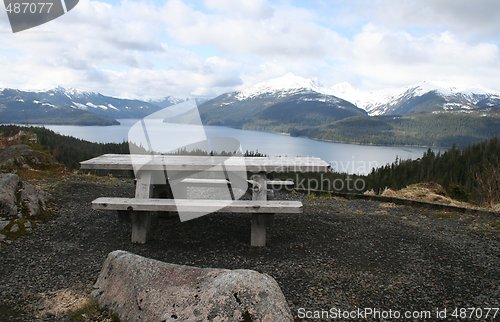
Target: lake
350, 158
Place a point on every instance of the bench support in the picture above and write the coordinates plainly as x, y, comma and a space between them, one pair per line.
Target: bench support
141, 223
259, 221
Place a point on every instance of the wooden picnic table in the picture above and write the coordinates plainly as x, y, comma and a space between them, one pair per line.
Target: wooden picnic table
147, 167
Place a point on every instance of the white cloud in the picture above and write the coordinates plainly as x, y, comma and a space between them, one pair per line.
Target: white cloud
399, 58
142, 49
288, 31
477, 19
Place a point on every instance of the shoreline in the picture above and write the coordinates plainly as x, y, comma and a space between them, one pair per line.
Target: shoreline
345, 142
243, 129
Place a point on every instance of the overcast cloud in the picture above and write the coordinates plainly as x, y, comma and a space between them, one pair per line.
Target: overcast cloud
181, 48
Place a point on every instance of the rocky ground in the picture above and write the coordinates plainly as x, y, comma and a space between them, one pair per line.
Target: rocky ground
337, 254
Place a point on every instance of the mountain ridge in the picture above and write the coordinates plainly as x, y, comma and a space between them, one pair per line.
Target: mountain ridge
285, 102
70, 106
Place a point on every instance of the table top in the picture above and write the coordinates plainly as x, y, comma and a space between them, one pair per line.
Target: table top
146, 162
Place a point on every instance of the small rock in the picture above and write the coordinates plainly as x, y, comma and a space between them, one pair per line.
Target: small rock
3, 224
14, 228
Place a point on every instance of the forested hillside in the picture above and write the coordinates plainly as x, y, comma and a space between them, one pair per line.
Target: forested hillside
471, 174
426, 129
65, 149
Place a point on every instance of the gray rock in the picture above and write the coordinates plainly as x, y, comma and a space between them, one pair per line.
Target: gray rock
9, 184
14, 228
141, 289
34, 200
2, 237
3, 224
20, 199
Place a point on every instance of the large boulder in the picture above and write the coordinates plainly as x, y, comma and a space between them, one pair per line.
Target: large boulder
9, 189
20, 199
141, 289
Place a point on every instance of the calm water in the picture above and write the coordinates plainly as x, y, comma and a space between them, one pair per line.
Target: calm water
349, 158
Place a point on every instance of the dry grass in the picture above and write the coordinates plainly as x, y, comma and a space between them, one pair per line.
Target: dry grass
68, 303
59, 303
428, 192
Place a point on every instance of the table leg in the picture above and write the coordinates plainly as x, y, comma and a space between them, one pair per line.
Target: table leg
141, 222
259, 221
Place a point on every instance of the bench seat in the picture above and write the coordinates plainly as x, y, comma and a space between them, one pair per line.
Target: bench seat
262, 212
199, 205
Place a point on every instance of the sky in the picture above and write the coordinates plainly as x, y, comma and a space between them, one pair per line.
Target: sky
153, 49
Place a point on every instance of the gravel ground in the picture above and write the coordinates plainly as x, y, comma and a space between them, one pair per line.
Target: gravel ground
337, 254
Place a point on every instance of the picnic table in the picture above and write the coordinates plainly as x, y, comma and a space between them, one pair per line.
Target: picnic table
155, 170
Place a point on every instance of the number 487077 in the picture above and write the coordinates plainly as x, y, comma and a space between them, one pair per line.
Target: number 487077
29, 7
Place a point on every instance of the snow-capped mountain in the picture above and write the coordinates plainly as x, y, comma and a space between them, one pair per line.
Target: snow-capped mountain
289, 99
367, 100
69, 106
280, 87
426, 97
98, 103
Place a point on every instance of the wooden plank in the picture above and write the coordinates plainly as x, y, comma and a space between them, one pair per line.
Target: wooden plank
259, 187
205, 163
199, 205
258, 223
195, 182
141, 223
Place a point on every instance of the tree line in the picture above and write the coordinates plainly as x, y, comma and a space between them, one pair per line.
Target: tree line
70, 151
468, 174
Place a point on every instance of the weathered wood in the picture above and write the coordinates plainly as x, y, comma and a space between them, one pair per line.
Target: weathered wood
205, 163
141, 223
259, 223
280, 183
195, 182
199, 205
259, 187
